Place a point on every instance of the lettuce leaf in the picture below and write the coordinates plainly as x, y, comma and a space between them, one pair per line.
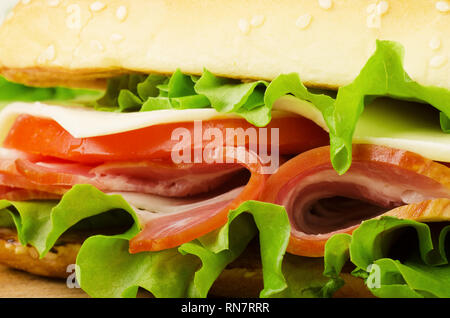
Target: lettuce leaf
290, 84
10, 92
304, 278
179, 91
382, 75
41, 223
105, 268
395, 257
177, 273
214, 252
233, 96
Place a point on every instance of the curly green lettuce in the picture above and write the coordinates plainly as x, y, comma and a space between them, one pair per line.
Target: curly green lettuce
106, 268
10, 92
395, 257
179, 91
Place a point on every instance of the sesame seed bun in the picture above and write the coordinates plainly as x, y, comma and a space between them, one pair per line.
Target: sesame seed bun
80, 43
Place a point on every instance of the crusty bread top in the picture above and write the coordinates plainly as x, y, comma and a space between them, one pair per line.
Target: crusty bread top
68, 42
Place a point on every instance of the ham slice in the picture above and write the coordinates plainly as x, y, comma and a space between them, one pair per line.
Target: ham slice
161, 178
176, 203
320, 202
173, 229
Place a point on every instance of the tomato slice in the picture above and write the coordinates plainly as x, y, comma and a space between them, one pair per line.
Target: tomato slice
46, 137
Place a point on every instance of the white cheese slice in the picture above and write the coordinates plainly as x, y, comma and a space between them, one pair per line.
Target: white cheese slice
402, 125
387, 122
82, 122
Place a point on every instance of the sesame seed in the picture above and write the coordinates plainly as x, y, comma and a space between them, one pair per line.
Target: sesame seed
115, 37
257, 20
435, 43
121, 13
97, 6
244, 26
442, 6
382, 7
53, 3
95, 44
303, 21
325, 4
437, 61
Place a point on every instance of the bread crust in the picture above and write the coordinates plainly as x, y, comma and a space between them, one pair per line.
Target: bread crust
26, 258
77, 43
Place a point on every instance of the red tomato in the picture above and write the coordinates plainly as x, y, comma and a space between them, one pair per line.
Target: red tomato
46, 137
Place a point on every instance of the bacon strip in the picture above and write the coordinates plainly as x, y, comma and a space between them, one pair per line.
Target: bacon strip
321, 203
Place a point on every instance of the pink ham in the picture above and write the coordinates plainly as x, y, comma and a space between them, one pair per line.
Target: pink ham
175, 203
160, 178
320, 202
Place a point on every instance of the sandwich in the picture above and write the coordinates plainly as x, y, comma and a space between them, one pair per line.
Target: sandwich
229, 148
